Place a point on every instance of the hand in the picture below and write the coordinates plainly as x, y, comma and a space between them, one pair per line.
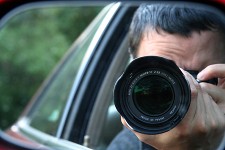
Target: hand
201, 129
216, 92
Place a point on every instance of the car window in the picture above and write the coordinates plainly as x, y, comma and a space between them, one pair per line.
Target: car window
32, 43
54, 95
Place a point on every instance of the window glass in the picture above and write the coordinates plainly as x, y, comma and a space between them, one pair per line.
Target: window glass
47, 113
31, 44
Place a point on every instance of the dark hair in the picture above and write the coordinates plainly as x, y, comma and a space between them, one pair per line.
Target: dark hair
173, 19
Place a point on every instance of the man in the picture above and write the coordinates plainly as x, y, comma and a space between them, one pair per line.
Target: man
194, 39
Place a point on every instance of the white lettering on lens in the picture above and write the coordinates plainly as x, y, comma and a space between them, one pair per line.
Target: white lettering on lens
157, 72
145, 118
172, 111
159, 119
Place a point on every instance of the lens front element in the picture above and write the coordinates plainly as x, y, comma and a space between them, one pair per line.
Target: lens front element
153, 95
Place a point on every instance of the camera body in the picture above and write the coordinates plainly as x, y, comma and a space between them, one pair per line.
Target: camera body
152, 95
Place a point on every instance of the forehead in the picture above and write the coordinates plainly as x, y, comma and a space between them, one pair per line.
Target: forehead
197, 41
194, 52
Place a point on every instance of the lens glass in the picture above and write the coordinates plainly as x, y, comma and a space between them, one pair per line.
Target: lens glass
153, 95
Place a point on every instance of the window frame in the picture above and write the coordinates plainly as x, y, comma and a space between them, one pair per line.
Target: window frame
23, 127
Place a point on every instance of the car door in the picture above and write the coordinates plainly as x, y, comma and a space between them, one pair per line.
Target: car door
74, 106
73, 115
45, 120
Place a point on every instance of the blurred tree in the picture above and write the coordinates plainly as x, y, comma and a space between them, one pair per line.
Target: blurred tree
31, 44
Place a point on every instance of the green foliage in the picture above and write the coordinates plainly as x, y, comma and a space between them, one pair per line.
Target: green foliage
30, 45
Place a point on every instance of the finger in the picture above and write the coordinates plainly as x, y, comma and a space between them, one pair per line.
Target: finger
221, 83
219, 113
193, 111
210, 110
212, 71
192, 81
215, 120
124, 122
217, 94
214, 114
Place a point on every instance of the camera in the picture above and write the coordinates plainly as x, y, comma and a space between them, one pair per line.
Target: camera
152, 95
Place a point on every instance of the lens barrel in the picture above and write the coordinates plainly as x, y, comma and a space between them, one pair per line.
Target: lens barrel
152, 95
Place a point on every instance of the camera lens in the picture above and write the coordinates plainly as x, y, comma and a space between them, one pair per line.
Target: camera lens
153, 95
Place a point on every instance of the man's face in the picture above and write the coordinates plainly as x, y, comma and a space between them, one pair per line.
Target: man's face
190, 53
